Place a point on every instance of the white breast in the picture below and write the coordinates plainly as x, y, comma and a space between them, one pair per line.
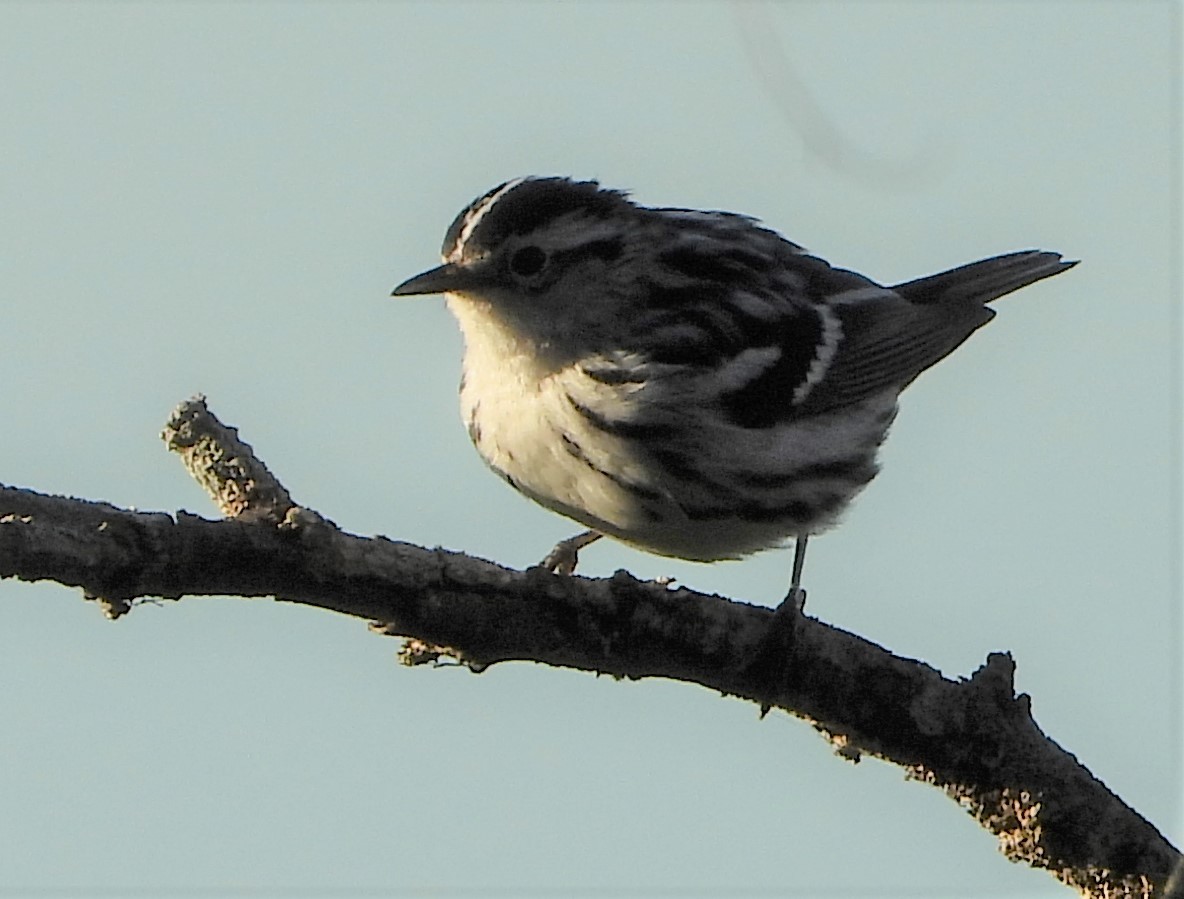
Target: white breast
516, 400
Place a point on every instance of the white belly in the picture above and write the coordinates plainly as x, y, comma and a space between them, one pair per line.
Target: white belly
519, 410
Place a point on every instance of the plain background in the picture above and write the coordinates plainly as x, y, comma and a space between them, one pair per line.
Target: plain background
218, 198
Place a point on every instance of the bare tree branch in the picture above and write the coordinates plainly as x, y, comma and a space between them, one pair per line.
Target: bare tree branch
975, 739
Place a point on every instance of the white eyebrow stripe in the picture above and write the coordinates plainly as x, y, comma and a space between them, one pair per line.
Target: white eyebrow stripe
474, 218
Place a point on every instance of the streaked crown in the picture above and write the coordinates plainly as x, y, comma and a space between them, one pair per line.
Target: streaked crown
526, 205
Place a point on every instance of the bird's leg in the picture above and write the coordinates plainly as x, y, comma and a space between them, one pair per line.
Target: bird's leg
566, 554
770, 664
797, 596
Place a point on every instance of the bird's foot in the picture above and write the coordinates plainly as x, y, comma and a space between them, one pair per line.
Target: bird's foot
770, 665
566, 554
794, 602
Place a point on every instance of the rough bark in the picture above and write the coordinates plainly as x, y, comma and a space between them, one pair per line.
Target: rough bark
973, 738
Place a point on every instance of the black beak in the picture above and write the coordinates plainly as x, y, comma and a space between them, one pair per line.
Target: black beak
447, 278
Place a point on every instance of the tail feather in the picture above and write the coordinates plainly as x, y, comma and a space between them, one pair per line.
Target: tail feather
986, 280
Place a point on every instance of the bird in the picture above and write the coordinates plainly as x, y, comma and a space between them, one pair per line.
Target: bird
688, 382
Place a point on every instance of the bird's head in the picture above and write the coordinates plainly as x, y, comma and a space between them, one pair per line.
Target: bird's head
550, 259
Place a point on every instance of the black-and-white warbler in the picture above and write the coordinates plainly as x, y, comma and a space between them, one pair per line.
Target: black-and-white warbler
688, 382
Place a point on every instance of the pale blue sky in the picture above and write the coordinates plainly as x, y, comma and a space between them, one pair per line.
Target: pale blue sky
219, 198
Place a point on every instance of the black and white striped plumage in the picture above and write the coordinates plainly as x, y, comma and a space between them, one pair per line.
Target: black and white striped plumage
687, 382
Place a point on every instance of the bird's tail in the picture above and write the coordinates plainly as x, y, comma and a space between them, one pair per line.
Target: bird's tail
985, 280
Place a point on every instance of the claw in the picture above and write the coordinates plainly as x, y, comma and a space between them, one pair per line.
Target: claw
566, 554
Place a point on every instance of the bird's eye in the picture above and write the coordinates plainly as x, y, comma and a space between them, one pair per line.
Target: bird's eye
527, 261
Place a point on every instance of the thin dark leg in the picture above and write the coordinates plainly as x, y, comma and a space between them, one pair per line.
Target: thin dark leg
772, 661
797, 596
